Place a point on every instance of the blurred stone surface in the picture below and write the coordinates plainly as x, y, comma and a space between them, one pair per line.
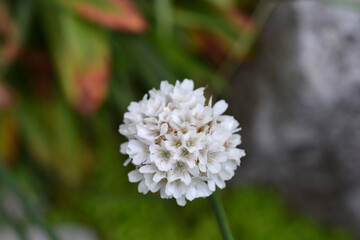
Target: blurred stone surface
299, 104
68, 232
11, 205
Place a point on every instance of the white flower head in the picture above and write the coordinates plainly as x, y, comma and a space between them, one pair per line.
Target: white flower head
179, 146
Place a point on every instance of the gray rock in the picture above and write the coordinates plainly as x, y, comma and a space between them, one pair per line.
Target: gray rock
7, 233
14, 208
300, 109
12, 205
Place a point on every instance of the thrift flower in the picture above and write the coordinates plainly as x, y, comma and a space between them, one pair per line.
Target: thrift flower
179, 146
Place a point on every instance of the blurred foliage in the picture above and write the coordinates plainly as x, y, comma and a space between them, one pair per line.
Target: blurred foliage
253, 214
117, 211
68, 71
62, 61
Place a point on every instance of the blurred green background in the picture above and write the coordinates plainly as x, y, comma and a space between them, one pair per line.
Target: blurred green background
68, 71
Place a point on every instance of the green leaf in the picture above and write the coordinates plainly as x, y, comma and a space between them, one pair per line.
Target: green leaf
188, 67
54, 140
82, 59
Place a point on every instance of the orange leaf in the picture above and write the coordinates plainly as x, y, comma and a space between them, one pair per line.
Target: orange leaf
116, 14
92, 87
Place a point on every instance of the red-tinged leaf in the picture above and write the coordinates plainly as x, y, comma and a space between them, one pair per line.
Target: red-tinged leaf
10, 35
217, 46
41, 72
82, 58
246, 29
115, 14
6, 96
241, 20
35, 60
210, 46
9, 144
92, 86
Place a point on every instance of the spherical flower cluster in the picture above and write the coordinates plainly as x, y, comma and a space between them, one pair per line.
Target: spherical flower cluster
178, 145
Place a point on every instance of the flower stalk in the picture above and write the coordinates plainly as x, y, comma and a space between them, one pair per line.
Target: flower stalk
218, 208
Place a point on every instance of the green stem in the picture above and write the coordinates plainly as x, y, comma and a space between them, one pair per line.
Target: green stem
218, 208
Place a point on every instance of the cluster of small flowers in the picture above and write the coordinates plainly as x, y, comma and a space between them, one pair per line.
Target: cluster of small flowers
180, 146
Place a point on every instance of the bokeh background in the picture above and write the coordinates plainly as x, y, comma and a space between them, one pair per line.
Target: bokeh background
290, 71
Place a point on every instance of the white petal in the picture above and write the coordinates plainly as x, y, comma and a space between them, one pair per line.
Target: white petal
202, 167
123, 147
135, 176
127, 162
220, 134
203, 157
187, 85
123, 129
186, 178
165, 87
169, 189
158, 176
211, 185
226, 175
214, 167
236, 139
191, 193
139, 159
148, 179
179, 190
154, 148
154, 187
172, 177
142, 187
194, 171
163, 165
162, 192
135, 146
148, 169
144, 133
191, 163
163, 129
220, 183
138, 151
220, 107
134, 106
236, 153
181, 201
202, 189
